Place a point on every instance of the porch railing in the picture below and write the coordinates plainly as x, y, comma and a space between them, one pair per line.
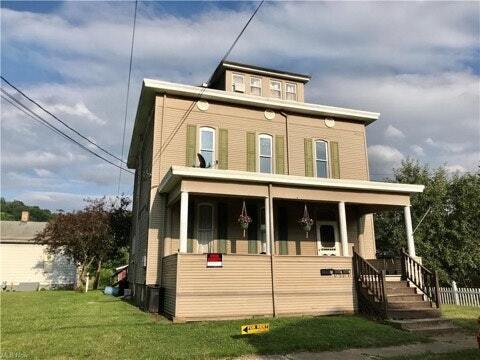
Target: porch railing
425, 280
371, 287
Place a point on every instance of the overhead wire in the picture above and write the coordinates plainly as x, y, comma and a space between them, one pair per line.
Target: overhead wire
60, 120
21, 107
128, 91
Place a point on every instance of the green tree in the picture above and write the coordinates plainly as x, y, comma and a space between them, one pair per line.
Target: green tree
90, 237
12, 210
448, 237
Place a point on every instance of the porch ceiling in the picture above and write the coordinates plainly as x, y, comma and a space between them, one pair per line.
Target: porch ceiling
243, 183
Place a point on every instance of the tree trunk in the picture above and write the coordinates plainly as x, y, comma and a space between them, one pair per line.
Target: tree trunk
97, 275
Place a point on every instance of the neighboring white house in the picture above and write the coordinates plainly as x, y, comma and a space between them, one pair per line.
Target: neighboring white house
27, 265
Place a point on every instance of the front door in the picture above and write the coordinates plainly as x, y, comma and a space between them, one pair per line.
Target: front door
327, 238
205, 228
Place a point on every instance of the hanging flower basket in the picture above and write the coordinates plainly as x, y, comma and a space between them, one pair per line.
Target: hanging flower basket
244, 220
306, 221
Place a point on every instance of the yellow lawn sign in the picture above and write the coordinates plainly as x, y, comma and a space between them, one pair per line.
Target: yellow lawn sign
254, 329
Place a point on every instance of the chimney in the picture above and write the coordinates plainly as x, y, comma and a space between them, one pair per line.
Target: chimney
25, 216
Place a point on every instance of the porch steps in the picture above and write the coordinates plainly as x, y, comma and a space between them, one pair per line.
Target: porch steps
427, 326
405, 303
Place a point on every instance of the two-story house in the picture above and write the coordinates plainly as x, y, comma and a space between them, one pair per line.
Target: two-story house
243, 167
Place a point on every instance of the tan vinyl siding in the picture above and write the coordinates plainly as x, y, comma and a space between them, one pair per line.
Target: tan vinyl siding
199, 287
299, 288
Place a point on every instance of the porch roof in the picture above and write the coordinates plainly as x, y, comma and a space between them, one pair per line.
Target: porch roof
176, 173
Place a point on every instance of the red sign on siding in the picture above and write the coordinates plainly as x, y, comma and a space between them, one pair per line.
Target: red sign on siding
214, 260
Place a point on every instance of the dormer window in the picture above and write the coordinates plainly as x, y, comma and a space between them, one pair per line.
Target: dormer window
291, 91
256, 86
238, 83
275, 89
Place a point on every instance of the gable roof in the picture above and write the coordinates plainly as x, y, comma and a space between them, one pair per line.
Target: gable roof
19, 231
151, 88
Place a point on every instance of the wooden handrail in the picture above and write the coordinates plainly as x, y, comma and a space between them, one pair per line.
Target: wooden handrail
371, 285
425, 280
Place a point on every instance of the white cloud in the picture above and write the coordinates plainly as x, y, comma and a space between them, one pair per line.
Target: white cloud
393, 132
54, 200
417, 150
414, 67
455, 169
383, 159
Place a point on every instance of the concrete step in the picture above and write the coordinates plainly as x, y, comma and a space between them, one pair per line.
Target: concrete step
396, 284
401, 290
404, 297
394, 305
413, 313
428, 326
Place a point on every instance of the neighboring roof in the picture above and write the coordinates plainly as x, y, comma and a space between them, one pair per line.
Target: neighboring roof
152, 87
257, 70
19, 231
178, 172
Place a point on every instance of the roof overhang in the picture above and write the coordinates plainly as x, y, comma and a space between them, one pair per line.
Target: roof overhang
177, 173
152, 87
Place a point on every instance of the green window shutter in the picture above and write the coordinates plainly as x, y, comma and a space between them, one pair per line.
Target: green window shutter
335, 160
279, 154
191, 145
308, 149
251, 152
223, 149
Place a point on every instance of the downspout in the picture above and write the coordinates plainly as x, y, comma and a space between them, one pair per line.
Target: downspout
272, 247
286, 140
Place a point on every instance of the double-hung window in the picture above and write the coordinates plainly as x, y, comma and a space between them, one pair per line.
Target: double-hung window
255, 86
265, 153
275, 89
238, 83
321, 158
207, 145
291, 91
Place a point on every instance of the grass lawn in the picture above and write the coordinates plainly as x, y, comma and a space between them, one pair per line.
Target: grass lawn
464, 316
470, 354
66, 324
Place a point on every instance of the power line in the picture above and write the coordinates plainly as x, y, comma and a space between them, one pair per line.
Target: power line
128, 91
199, 96
17, 104
61, 121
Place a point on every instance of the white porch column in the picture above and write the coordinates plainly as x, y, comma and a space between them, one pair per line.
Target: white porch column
343, 228
408, 228
183, 221
267, 225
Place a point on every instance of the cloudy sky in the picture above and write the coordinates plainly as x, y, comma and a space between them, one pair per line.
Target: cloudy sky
415, 63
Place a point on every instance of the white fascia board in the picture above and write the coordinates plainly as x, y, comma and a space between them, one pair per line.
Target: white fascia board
177, 172
258, 101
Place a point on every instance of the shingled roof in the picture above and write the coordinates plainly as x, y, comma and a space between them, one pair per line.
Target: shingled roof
20, 231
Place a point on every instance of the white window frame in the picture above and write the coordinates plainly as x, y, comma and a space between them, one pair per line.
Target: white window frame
233, 80
269, 137
327, 156
214, 143
256, 87
281, 89
328, 251
287, 92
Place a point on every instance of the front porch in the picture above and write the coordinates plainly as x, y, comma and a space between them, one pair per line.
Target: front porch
274, 267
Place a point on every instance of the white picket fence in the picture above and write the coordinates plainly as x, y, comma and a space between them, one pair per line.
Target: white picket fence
460, 296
